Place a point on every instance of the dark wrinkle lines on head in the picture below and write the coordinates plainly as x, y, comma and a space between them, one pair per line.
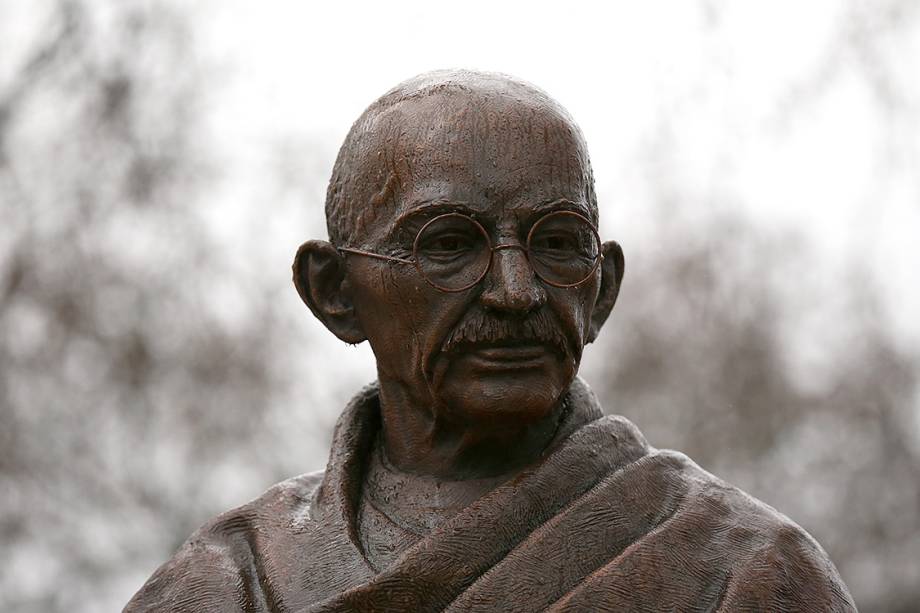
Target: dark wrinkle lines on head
496, 117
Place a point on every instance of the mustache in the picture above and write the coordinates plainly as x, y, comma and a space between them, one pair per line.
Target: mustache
485, 328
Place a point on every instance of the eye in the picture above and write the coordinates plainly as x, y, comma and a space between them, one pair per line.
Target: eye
450, 242
555, 241
447, 243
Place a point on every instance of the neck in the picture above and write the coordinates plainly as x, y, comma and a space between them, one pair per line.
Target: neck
417, 440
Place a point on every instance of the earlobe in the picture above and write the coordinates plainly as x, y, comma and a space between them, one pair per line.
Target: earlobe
612, 268
319, 276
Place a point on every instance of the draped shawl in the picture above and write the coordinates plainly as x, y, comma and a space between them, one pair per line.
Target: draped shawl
602, 522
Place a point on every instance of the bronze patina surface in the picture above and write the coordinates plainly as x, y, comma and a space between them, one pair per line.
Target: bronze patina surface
479, 473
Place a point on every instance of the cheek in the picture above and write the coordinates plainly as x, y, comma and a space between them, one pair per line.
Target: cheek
405, 320
586, 302
392, 315
573, 308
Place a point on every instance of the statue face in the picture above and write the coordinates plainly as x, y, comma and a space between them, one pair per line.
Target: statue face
508, 347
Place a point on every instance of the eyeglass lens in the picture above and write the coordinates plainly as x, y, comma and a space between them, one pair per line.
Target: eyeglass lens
453, 251
563, 248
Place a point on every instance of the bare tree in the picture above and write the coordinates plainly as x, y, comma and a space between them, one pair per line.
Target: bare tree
149, 379
122, 388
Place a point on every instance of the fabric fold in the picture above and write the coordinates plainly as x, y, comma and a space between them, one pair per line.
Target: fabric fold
432, 573
601, 522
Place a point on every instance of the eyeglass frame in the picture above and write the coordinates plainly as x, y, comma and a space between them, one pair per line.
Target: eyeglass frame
492, 249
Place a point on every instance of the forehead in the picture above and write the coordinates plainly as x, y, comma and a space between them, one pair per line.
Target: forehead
497, 155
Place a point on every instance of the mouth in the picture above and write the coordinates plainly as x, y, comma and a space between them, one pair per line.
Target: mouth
508, 355
488, 344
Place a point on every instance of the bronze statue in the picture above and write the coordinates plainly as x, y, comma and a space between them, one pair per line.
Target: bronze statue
478, 473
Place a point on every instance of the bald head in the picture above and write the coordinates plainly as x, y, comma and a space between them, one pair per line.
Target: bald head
463, 135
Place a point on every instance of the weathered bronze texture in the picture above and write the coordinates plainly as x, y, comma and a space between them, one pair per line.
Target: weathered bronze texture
479, 473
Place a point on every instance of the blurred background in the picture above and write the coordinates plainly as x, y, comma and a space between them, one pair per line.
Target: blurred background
160, 162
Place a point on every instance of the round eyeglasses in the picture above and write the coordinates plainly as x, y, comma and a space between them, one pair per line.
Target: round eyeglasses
453, 251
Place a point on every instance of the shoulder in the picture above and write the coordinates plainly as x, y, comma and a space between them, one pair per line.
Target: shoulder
707, 499
284, 503
214, 569
771, 562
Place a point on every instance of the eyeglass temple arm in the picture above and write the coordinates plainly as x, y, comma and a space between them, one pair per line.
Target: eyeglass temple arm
378, 256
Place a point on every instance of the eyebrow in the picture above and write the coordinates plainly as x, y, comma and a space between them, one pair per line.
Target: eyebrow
564, 204
430, 207
437, 206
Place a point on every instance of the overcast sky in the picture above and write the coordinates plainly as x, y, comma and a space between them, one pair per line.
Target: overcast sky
805, 115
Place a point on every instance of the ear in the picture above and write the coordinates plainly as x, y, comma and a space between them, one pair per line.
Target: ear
612, 267
319, 276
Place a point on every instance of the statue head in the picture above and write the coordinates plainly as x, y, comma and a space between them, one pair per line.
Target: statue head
463, 246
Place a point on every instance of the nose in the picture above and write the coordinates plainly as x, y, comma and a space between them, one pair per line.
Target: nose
511, 285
